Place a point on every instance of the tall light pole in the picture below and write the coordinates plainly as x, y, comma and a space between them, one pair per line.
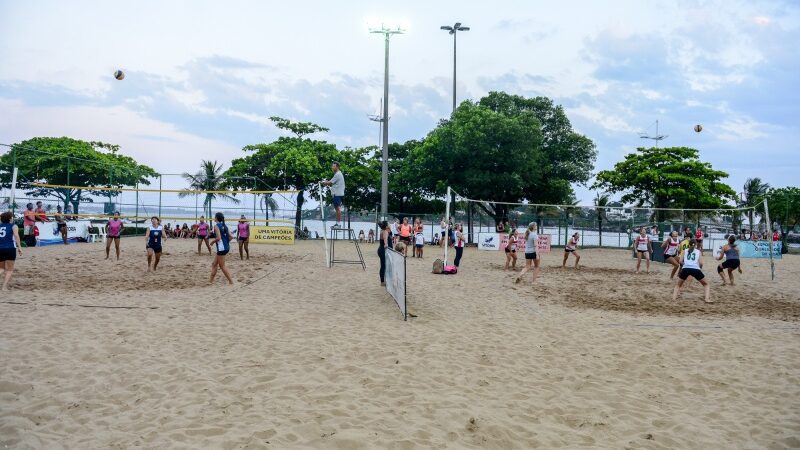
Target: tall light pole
454, 31
387, 33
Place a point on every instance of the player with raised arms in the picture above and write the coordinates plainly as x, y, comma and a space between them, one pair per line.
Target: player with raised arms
692, 261
572, 247
222, 241
671, 248
113, 232
152, 238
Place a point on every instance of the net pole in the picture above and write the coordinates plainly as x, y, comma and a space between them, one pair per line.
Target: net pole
13, 195
324, 225
159, 196
136, 223
771, 242
447, 218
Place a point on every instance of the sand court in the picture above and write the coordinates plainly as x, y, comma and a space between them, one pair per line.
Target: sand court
296, 355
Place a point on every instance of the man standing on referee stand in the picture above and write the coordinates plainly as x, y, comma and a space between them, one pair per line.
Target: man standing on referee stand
337, 189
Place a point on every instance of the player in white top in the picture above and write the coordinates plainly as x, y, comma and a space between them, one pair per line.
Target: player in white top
692, 261
572, 247
531, 256
419, 244
644, 248
671, 248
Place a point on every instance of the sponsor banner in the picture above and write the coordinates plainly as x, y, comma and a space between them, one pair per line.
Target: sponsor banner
396, 279
489, 241
752, 249
543, 245
272, 235
48, 231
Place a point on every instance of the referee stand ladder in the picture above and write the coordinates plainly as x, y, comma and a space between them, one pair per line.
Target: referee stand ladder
345, 234
338, 233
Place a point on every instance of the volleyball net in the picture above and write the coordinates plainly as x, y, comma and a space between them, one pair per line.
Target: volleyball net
610, 224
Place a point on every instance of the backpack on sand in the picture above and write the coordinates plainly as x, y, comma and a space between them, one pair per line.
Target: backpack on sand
450, 270
438, 266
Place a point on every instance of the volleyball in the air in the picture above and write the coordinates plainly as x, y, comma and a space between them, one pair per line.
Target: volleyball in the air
698, 128
120, 75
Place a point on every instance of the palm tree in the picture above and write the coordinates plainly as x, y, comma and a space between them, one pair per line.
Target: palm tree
268, 203
208, 178
601, 201
753, 197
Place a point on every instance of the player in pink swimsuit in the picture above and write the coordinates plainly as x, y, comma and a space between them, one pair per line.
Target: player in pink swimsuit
202, 235
113, 232
243, 236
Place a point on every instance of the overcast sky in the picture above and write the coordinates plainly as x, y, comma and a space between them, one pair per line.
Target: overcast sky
203, 76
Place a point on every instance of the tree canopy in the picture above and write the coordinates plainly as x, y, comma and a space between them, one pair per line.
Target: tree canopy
289, 163
672, 177
72, 162
565, 156
482, 154
784, 209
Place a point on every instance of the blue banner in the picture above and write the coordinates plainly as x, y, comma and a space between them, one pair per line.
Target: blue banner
759, 249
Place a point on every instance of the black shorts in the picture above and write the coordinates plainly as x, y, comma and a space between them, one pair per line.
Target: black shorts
443, 233
728, 264
696, 273
59, 226
569, 250
666, 257
508, 250
407, 240
243, 239
530, 255
202, 237
112, 237
8, 254
154, 248
222, 252
642, 252
419, 245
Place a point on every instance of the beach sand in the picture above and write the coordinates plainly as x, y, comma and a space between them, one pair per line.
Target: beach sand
97, 354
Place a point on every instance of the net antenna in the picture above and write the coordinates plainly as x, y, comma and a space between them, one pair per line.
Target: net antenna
656, 137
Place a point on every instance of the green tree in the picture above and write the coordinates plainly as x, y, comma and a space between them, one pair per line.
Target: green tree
71, 162
564, 156
601, 201
482, 154
290, 163
406, 195
784, 208
753, 197
209, 178
672, 177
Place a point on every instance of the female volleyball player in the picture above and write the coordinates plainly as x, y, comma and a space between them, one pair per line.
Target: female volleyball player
692, 261
61, 223
152, 238
243, 236
531, 256
730, 252
572, 247
671, 248
459, 245
644, 248
202, 235
384, 242
511, 251
10, 246
113, 232
222, 240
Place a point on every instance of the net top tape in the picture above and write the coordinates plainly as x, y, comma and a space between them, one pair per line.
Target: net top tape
179, 191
